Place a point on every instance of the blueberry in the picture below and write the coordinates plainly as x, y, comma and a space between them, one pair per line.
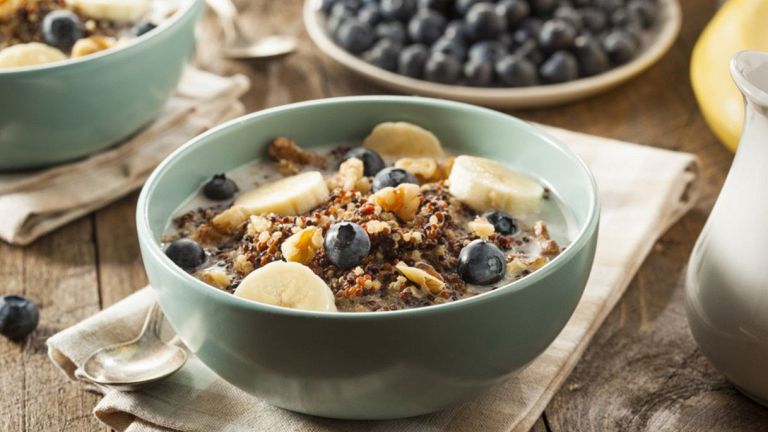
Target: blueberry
529, 50
645, 10
412, 59
393, 31
529, 29
185, 253
609, 6
516, 71
571, 15
442, 68
481, 263
595, 20
343, 9
18, 317
592, 59
556, 34
442, 6
426, 27
620, 46
369, 14
392, 177
542, 7
384, 54
61, 29
143, 27
487, 50
398, 9
624, 18
560, 67
515, 11
503, 223
479, 72
355, 36
346, 244
455, 30
463, 6
220, 188
339, 15
450, 47
485, 22
372, 162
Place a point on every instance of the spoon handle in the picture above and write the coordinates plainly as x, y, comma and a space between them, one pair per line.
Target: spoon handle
227, 13
153, 322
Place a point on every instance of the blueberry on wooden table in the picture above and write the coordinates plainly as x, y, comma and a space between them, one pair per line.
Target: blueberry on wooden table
185, 253
426, 26
560, 67
143, 27
442, 68
481, 263
503, 223
516, 71
392, 177
61, 29
484, 21
219, 188
18, 317
412, 59
346, 244
372, 161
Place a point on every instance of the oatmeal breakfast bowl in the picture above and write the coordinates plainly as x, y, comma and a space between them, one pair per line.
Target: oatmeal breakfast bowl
369, 257
77, 76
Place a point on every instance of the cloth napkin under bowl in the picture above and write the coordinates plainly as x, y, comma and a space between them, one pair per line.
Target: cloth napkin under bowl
643, 192
34, 203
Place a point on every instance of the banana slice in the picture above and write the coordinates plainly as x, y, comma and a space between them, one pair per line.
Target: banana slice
403, 140
287, 284
288, 196
484, 185
114, 10
29, 54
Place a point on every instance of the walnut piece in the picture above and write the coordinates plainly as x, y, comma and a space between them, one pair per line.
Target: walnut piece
282, 148
350, 173
377, 227
215, 277
423, 168
403, 201
303, 245
93, 44
481, 227
230, 220
422, 278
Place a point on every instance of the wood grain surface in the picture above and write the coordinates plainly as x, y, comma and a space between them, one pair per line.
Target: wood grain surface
642, 371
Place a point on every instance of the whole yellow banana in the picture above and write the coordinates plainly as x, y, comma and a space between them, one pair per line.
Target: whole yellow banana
737, 26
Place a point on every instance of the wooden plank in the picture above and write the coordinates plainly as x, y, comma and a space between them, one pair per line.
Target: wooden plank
59, 274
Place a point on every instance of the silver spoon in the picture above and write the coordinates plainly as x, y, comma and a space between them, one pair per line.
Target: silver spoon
143, 360
238, 46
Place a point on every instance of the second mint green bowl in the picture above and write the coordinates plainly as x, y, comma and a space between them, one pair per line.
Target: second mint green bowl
373, 365
67, 110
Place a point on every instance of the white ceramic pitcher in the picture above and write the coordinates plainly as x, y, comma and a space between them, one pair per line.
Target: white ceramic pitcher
727, 280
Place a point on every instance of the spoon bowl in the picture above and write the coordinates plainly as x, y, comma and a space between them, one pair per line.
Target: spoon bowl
129, 365
268, 47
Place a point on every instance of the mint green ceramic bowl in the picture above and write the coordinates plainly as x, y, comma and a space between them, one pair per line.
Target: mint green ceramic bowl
64, 111
374, 365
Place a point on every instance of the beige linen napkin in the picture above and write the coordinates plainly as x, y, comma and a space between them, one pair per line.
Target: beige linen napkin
643, 191
35, 203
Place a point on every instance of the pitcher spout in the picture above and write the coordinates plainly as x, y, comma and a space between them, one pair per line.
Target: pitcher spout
750, 72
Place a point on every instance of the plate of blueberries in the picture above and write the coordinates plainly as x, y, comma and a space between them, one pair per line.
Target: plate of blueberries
498, 53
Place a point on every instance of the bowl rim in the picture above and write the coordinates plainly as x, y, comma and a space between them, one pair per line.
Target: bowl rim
152, 248
174, 21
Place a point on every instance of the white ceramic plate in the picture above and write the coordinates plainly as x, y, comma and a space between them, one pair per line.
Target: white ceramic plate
656, 43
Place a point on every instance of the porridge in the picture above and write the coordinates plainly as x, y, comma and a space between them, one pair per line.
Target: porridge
34, 32
394, 223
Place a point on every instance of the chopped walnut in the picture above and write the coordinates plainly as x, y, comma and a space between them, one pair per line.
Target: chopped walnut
377, 227
282, 148
93, 44
422, 278
350, 173
287, 168
215, 276
518, 265
303, 245
481, 227
242, 266
548, 246
444, 169
230, 220
207, 235
423, 168
404, 200
258, 225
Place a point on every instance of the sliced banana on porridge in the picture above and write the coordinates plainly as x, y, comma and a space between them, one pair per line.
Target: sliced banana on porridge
403, 139
484, 185
29, 54
115, 10
287, 284
288, 196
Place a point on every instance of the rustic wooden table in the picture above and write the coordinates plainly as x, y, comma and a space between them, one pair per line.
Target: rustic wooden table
642, 371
